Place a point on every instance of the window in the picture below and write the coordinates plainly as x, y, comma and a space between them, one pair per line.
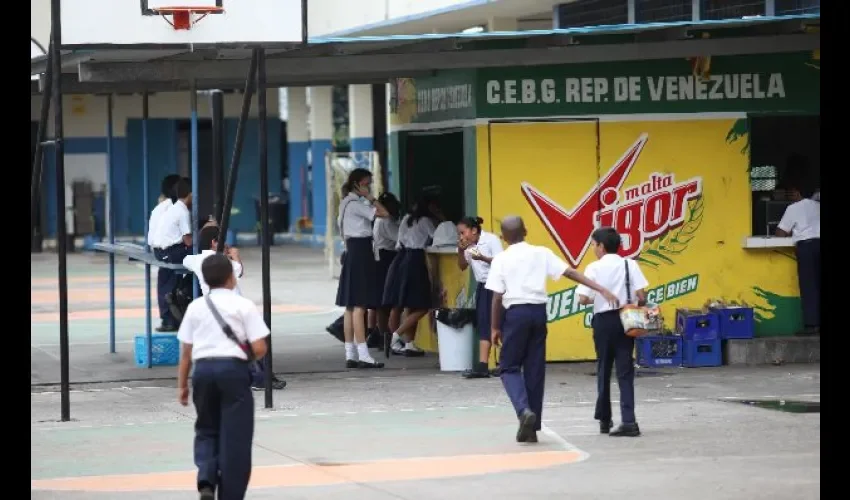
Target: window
784, 153
796, 7
658, 11
731, 9
591, 13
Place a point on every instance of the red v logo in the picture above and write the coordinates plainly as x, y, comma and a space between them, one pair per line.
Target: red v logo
571, 229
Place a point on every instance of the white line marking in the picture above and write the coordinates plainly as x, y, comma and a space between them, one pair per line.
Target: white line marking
554, 436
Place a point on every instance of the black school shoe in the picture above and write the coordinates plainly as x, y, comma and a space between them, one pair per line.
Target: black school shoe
626, 430
351, 363
526, 432
480, 371
206, 494
605, 426
277, 385
374, 339
367, 365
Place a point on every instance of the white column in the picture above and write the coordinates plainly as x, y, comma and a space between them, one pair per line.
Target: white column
696, 5
501, 24
298, 143
631, 11
360, 117
321, 141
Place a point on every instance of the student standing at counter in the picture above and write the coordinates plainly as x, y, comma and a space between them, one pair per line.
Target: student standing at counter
385, 240
358, 290
408, 285
476, 249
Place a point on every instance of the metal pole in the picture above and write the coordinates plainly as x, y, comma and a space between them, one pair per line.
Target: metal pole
110, 229
265, 230
193, 102
237, 151
217, 105
147, 209
61, 230
38, 163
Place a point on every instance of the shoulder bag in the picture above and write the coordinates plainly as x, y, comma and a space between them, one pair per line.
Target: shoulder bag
636, 320
245, 346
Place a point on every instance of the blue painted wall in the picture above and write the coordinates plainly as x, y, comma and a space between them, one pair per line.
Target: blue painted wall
362, 144
162, 161
297, 164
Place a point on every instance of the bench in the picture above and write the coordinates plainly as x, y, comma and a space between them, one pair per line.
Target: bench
138, 253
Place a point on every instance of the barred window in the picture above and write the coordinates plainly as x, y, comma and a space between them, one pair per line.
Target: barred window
796, 7
764, 178
658, 11
592, 13
731, 9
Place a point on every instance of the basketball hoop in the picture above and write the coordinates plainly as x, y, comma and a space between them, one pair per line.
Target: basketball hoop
183, 18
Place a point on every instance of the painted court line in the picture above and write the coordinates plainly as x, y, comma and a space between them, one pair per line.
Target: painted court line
140, 313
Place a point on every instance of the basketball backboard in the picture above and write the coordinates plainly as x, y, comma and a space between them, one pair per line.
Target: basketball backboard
98, 23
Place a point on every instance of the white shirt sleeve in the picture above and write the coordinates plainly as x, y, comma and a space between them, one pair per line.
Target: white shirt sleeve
555, 267
186, 331
360, 209
255, 327
184, 223
636, 277
429, 226
788, 220
192, 263
495, 280
237, 269
583, 290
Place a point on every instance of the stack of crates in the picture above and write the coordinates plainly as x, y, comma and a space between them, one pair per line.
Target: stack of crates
657, 351
736, 322
701, 343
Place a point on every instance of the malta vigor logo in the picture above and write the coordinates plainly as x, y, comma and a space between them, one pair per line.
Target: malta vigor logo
656, 218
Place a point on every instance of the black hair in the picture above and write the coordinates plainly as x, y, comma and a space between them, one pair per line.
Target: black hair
391, 203
216, 269
167, 186
182, 188
207, 235
354, 178
609, 238
472, 222
422, 209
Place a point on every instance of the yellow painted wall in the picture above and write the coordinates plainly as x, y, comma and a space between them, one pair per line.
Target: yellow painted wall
452, 288
688, 261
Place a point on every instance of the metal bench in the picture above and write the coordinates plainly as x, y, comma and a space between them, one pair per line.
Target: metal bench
139, 253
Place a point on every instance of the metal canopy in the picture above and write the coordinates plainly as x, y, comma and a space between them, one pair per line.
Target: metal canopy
377, 59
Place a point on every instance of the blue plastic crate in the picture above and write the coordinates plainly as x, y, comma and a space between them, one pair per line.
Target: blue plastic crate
659, 350
165, 350
694, 324
736, 322
702, 353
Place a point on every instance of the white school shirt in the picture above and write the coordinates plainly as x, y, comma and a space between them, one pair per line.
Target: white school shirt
520, 272
175, 222
610, 273
200, 328
194, 262
489, 245
154, 221
385, 234
355, 217
802, 220
415, 237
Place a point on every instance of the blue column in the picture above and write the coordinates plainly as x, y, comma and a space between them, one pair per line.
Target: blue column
146, 206
321, 134
110, 222
193, 101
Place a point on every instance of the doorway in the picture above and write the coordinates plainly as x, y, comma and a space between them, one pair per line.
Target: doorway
434, 161
205, 197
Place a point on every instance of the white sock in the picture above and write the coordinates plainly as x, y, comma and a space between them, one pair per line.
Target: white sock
411, 346
350, 352
396, 338
363, 353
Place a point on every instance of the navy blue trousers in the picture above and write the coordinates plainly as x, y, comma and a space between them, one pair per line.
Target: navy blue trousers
483, 308
166, 279
613, 349
523, 357
808, 274
224, 428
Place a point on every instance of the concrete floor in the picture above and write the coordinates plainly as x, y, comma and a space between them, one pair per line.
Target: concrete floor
408, 432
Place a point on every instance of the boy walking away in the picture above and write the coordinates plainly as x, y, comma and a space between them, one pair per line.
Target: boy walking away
175, 239
613, 347
517, 279
153, 239
209, 242
220, 334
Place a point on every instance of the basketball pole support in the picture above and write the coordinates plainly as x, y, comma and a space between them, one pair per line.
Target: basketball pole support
217, 107
146, 206
265, 230
61, 229
193, 124
110, 218
237, 153
38, 162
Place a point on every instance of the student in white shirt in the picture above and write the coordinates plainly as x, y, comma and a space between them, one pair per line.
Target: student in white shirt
174, 237
613, 346
208, 242
408, 286
517, 279
358, 290
476, 249
801, 221
384, 240
221, 389
163, 275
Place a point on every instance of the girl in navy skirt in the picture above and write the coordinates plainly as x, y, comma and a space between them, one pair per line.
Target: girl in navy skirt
476, 249
358, 290
385, 241
408, 286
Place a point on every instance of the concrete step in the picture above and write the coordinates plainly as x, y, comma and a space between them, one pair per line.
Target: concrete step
772, 351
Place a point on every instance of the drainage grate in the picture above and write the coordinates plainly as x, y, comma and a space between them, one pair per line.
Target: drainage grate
783, 405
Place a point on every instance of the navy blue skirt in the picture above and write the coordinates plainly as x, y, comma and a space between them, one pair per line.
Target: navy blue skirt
483, 308
357, 286
392, 282
382, 270
411, 279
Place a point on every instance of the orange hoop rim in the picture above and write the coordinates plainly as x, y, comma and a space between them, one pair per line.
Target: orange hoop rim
195, 10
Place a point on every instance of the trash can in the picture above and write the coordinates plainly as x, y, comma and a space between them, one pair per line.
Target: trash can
455, 338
